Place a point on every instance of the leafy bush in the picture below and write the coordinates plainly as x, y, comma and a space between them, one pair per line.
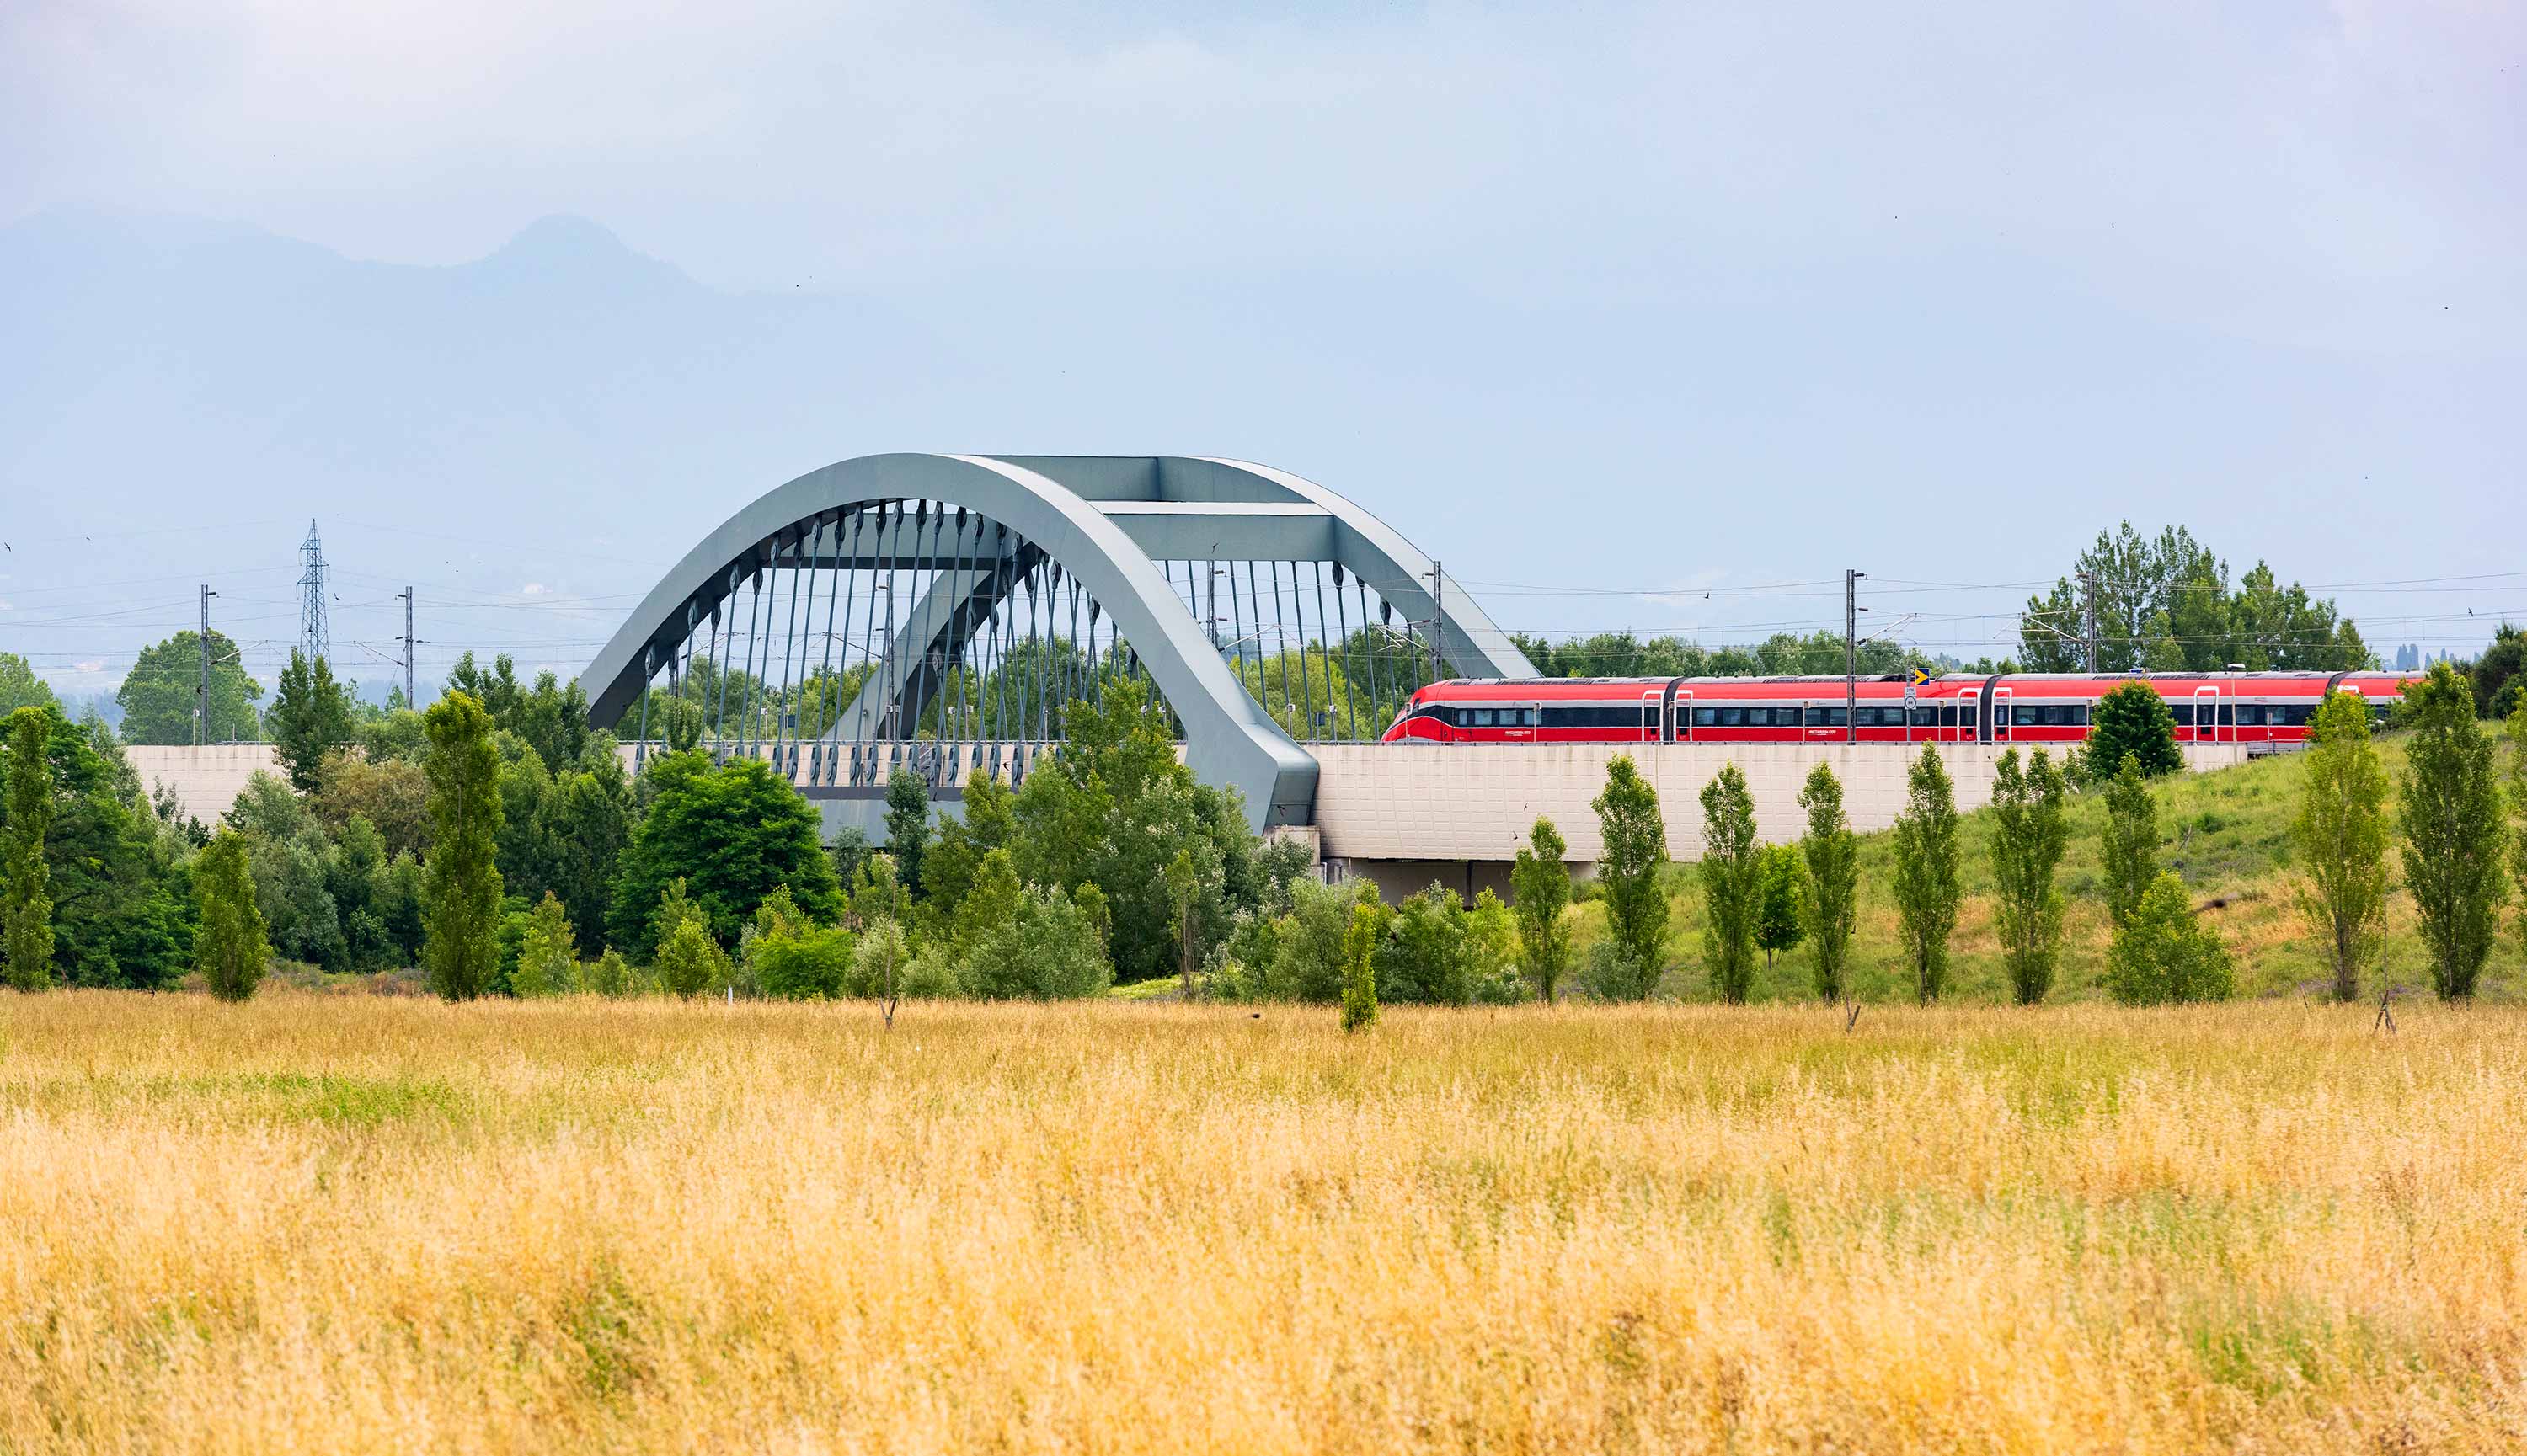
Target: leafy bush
2164, 953
1425, 957
547, 954
813, 965
1047, 949
2130, 718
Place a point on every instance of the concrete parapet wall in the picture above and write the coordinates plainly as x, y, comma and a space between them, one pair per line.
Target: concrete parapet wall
1475, 802
205, 780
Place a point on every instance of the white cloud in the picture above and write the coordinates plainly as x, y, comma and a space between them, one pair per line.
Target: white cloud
532, 589
97, 665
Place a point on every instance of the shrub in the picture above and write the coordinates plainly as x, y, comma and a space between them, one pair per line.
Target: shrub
2164, 953
610, 975
1492, 945
1049, 949
2130, 718
2129, 852
1540, 883
547, 954
815, 964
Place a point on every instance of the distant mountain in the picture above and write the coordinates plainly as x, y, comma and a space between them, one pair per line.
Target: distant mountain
565, 394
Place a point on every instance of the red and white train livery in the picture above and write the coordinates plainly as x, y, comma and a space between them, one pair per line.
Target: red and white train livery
2240, 707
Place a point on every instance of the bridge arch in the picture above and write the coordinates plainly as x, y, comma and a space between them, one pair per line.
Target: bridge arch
978, 535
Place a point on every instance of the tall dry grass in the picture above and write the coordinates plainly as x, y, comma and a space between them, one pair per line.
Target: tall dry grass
349, 1224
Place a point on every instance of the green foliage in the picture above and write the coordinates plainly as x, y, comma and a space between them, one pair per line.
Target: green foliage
1628, 874
582, 827
1833, 855
2028, 837
908, 822
1732, 886
549, 955
1046, 948
611, 976
2166, 605
1620, 654
2129, 852
689, 960
2132, 720
1113, 809
1780, 900
229, 949
121, 906
1358, 972
878, 963
397, 736
2502, 664
2341, 838
391, 793
790, 957
947, 866
1425, 956
2457, 834
734, 833
461, 883
26, 899
1492, 946
1928, 891
157, 695
20, 687
1311, 695
310, 717
2164, 953
1540, 885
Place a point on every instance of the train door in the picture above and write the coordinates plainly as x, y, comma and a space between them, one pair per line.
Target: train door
1683, 716
2001, 697
1650, 717
2206, 714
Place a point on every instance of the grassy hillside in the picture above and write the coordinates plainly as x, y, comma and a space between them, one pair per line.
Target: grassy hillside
2228, 835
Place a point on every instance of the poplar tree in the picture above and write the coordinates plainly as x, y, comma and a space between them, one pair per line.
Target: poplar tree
25, 898
310, 717
1731, 883
1541, 884
1636, 839
2457, 839
2027, 842
460, 882
2130, 853
2341, 836
1926, 888
1832, 856
1360, 973
229, 948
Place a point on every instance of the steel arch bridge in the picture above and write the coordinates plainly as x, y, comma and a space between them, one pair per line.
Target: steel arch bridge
941, 611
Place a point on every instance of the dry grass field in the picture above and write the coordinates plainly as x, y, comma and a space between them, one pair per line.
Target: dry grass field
346, 1224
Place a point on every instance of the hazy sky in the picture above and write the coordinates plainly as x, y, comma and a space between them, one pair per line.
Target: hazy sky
1588, 299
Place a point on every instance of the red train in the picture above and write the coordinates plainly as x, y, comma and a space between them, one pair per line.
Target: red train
2241, 707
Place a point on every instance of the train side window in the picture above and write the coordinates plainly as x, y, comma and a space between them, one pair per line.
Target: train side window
1705, 716
2228, 714
2080, 714
1927, 717
1948, 714
2184, 713
1732, 718
2296, 714
1826, 718
1482, 718
2054, 717
2023, 716
1526, 718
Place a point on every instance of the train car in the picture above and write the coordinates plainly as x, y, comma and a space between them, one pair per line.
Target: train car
2238, 707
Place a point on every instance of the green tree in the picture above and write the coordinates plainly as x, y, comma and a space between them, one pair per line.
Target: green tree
2029, 834
583, 828
20, 687
158, 694
26, 899
2129, 852
949, 863
2518, 797
908, 822
2500, 664
734, 833
1541, 884
1780, 901
1424, 957
1732, 883
1928, 891
1628, 874
229, 949
1833, 855
2340, 836
549, 958
2455, 831
2132, 719
461, 880
690, 959
310, 717
1360, 974
2162, 952
1184, 890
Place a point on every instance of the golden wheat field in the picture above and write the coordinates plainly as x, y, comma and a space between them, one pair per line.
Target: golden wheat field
344, 1224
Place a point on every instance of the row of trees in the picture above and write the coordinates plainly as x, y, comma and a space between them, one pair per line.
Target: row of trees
2167, 604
